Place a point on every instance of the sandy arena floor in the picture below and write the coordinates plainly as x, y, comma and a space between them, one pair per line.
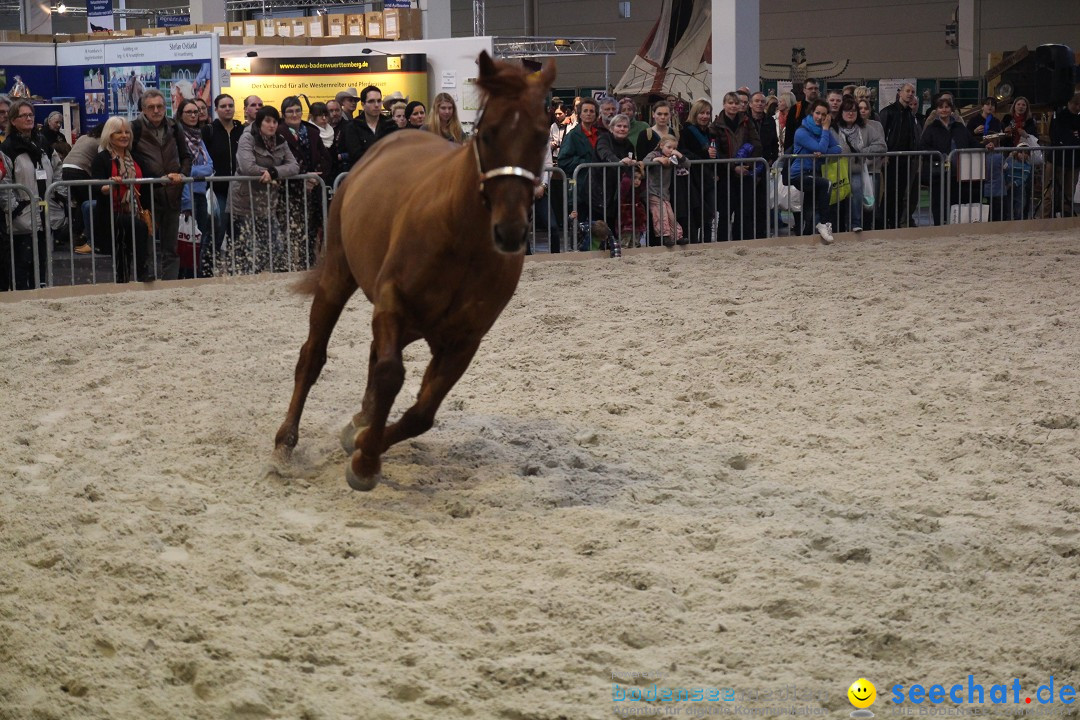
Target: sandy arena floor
747, 468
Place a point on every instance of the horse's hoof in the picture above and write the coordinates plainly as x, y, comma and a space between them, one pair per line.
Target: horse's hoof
348, 439
358, 483
282, 455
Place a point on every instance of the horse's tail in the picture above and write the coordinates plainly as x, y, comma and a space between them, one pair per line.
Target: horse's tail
309, 282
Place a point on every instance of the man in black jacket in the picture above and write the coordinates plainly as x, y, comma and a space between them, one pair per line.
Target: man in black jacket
1065, 133
221, 138
766, 128
900, 174
362, 132
799, 111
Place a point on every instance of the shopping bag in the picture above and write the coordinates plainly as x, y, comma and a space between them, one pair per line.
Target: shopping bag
838, 173
188, 240
969, 213
787, 197
971, 166
867, 188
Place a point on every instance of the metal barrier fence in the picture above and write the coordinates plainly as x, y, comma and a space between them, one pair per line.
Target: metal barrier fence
853, 191
23, 257
279, 231
693, 201
1011, 183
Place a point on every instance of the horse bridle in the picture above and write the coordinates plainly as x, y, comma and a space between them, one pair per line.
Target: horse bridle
505, 170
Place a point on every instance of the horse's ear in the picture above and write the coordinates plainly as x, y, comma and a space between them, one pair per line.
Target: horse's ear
487, 65
547, 75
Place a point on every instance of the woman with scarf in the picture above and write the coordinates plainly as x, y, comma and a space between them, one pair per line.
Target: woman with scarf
696, 192
813, 141
1019, 123
741, 190
26, 162
256, 205
193, 201
304, 207
856, 138
117, 212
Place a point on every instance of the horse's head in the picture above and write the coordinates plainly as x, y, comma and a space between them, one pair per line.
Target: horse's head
509, 146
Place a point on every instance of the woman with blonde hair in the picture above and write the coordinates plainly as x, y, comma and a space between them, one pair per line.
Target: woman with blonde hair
118, 212
444, 121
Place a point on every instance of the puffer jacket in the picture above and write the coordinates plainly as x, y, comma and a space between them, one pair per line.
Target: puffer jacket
253, 156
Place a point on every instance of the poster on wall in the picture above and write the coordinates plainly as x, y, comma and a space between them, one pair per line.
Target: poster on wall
99, 16
887, 89
110, 78
320, 79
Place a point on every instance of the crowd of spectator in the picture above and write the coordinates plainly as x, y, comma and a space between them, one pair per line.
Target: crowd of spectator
659, 185
693, 200
194, 222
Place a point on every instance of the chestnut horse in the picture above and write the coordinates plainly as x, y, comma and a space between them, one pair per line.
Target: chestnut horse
434, 234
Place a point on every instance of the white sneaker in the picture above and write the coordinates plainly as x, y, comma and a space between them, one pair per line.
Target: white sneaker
825, 231
857, 228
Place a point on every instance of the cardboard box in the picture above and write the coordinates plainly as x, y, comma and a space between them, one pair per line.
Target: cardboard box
355, 26
153, 32
220, 28
335, 25
320, 41
236, 29
122, 33
251, 28
266, 28
184, 30
316, 26
373, 24
300, 27
283, 28
402, 24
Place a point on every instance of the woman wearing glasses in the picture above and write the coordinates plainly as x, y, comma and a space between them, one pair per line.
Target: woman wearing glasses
193, 201
26, 162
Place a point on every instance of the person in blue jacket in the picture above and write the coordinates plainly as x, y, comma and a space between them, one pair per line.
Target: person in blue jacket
814, 138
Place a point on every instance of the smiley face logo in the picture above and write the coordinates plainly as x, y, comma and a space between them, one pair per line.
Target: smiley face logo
862, 693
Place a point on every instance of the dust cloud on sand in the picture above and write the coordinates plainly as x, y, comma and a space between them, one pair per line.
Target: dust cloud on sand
731, 467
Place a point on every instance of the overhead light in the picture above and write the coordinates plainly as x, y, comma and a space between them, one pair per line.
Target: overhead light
61, 8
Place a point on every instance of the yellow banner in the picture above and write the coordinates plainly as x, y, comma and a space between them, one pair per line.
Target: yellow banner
272, 89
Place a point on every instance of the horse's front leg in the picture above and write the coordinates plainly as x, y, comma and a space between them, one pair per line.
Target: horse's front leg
385, 380
326, 308
445, 369
350, 434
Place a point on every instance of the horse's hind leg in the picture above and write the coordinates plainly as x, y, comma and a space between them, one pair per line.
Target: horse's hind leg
445, 369
330, 298
384, 382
